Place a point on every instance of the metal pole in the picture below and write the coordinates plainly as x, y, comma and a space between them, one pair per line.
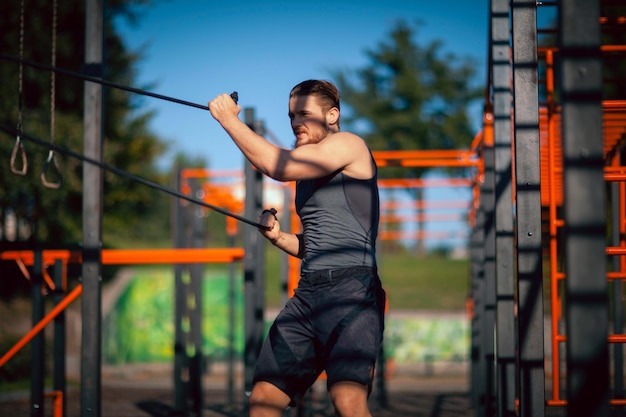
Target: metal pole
230, 382
180, 363
479, 370
505, 275
91, 355
489, 278
38, 347
59, 382
580, 75
194, 307
254, 285
528, 209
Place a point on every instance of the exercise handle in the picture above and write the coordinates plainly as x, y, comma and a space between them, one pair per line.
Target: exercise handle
19, 148
44, 180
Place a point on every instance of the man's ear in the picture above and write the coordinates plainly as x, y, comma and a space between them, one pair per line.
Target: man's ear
332, 116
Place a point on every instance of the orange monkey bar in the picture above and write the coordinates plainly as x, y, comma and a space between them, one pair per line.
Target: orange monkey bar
427, 158
423, 182
419, 234
423, 204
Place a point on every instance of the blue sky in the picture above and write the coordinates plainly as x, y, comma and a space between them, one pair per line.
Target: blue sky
196, 49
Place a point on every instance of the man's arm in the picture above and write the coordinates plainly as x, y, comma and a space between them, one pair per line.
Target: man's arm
309, 161
290, 243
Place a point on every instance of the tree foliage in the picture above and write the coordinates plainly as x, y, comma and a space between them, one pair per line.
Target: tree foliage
50, 217
410, 96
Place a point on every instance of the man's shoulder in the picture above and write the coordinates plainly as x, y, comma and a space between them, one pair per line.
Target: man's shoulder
344, 139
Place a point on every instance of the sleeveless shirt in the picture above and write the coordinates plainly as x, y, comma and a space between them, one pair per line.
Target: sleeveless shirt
339, 216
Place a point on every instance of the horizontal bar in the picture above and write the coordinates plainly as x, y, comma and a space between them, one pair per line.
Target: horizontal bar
135, 256
423, 182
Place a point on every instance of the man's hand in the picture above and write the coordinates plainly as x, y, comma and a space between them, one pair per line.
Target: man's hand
268, 218
223, 106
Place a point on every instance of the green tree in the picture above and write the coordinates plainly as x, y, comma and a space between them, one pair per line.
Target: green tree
52, 217
410, 97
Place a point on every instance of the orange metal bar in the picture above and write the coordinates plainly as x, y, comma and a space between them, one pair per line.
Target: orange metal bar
423, 204
555, 311
461, 154
614, 177
423, 182
209, 173
293, 262
42, 323
419, 234
604, 48
428, 163
170, 256
57, 402
622, 224
421, 217
616, 250
134, 256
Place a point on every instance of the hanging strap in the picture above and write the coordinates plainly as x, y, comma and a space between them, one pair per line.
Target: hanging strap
52, 160
19, 146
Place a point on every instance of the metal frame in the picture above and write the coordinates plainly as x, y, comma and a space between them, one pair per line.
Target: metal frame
506, 346
528, 209
580, 76
254, 269
91, 354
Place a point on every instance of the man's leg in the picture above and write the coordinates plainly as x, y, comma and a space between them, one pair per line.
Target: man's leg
267, 400
349, 399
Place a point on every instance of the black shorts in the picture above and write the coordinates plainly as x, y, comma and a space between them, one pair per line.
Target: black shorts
334, 323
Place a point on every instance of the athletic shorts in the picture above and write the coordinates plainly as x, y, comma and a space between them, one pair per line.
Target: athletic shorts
334, 323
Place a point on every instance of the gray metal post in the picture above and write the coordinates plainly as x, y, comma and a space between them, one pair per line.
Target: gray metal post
580, 75
59, 379
91, 354
528, 209
505, 275
180, 362
479, 373
254, 268
489, 279
194, 306
38, 346
232, 314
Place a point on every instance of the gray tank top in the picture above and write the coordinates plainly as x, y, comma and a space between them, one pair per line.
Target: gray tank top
339, 216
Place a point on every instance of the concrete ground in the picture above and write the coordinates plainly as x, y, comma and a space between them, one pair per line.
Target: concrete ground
147, 390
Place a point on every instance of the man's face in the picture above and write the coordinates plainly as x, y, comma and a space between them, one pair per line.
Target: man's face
308, 120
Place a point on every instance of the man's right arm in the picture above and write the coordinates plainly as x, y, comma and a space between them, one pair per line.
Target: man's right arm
293, 244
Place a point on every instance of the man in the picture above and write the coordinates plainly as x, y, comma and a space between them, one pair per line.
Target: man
334, 322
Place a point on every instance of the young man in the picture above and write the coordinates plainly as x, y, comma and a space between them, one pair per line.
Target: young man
334, 322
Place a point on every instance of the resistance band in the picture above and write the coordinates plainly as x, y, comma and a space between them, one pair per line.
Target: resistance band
134, 177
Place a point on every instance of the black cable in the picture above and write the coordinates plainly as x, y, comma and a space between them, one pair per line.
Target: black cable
128, 175
101, 81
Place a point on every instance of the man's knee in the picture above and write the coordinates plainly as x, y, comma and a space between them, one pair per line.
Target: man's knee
267, 400
350, 399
